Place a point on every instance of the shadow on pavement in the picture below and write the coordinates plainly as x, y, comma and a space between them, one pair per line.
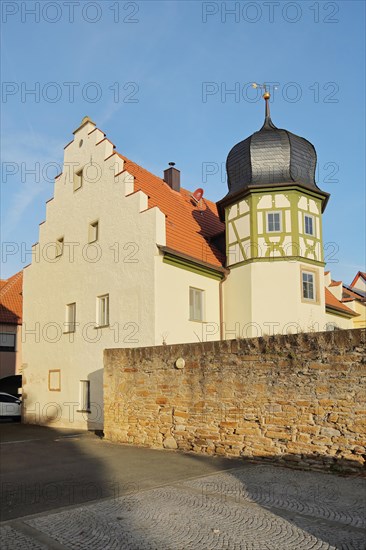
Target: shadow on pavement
45, 469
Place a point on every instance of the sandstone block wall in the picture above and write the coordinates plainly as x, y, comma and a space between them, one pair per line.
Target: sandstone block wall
297, 398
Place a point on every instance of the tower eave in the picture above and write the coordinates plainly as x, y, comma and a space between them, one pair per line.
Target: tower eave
232, 198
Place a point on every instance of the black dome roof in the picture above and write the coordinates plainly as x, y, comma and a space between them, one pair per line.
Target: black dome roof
271, 157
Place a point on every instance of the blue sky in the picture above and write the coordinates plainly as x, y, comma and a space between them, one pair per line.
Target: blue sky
156, 78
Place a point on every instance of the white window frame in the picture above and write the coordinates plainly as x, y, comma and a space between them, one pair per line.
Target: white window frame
306, 274
102, 311
78, 179
93, 233
196, 304
70, 317
84, 396
59, 247
310, 217
273, 212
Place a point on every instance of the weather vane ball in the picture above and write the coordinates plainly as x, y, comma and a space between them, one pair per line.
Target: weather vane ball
266, 94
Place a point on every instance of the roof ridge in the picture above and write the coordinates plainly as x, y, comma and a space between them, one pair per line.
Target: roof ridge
186, 231
123, 157
10, 283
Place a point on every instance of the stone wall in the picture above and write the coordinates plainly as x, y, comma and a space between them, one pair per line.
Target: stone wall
296, 398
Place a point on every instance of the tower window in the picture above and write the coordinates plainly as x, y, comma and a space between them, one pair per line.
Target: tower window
93, 232
309, 224
308, 286
273, 221
195, 304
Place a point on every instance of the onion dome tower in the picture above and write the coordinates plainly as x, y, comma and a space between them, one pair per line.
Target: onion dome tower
272, 213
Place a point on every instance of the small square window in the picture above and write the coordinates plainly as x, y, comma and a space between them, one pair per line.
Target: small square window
59, 247
78, 179
309, 225
70, 323
195, 304
103, 310
273, 222
7, 341
308, 286
93, 232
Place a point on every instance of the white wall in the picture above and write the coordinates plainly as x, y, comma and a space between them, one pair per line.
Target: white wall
265, 298
338, 321
125, 269
172, 306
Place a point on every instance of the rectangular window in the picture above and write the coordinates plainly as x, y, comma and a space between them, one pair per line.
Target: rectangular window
7, 341
273, 221
195, 304
103, 310
78, 179
84, 390
309, 225
59, 247
308, 286
70, 317
93, 232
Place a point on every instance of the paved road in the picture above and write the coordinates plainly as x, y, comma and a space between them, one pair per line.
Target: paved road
166, 500
43, 468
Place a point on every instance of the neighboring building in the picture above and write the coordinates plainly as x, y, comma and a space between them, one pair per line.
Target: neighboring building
338, 313
354, 295
127, 259
359, 283
11, 333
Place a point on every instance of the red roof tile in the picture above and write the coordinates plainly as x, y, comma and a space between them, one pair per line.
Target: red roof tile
3, 283
11, 301
189, 227
332, 302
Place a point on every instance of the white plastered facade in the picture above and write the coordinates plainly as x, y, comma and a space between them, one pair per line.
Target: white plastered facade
148, 299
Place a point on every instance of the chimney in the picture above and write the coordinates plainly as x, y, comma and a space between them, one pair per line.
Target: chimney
172, 177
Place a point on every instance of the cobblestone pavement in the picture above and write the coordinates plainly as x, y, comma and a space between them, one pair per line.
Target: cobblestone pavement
256, 508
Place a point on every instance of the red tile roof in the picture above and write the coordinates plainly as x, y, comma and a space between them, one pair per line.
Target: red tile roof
335, 283
332, 302
11, 301
189, 227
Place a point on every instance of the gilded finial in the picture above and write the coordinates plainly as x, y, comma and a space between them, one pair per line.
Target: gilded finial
264, 87
266, 96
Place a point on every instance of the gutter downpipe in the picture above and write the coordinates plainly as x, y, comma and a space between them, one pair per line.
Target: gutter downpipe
221, 302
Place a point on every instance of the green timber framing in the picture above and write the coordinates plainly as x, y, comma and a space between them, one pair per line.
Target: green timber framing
188, 263
293, 194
